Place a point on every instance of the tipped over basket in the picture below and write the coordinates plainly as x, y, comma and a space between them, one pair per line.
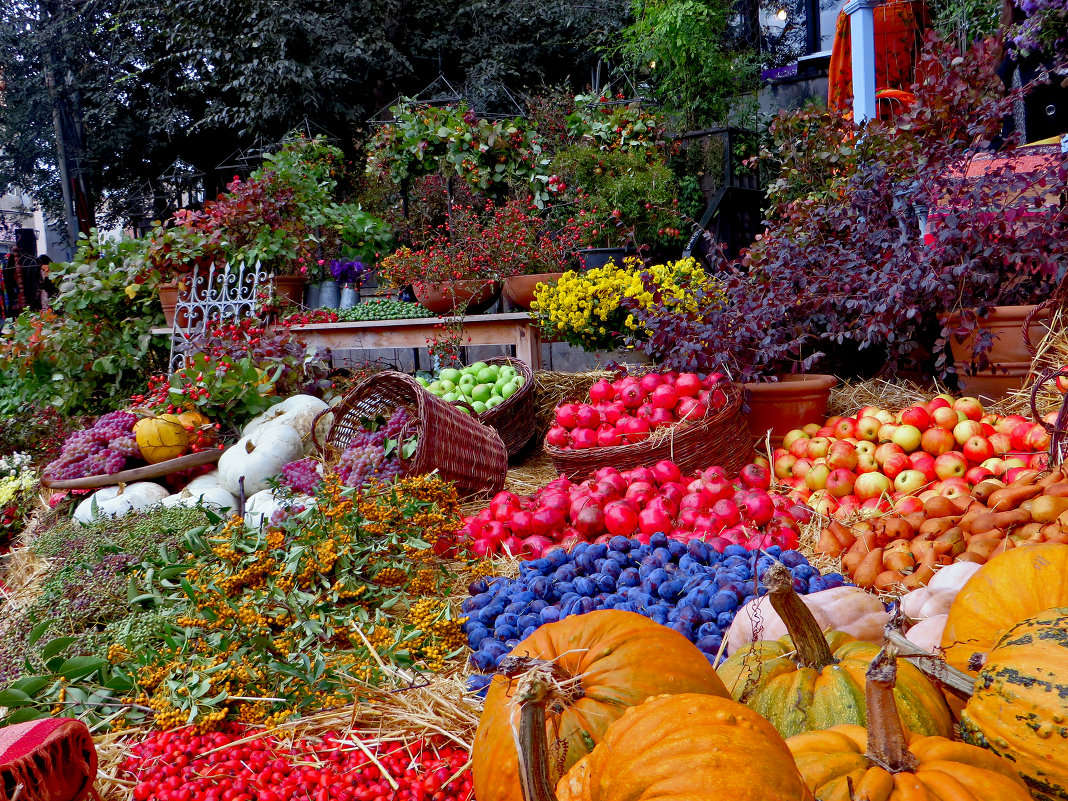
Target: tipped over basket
452, 442
513, 420
720, 438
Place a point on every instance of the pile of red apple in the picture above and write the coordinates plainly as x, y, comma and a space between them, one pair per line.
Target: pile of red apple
639, 503
874, 458
631, 408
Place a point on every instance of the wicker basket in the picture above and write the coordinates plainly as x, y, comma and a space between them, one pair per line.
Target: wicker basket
721, 438
451, 442
513, 420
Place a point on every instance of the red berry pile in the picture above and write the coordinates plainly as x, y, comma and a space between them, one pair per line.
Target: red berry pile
181, 765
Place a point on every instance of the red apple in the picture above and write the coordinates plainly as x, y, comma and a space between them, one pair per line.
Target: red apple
842, 455
871, 485
883, 452
811, 428
840, 482
792, 436
868, 428
866, 463
845, 428
784, 463
938, 440
951, 464
916, 416
801, 467
977, 474
799, 447
945, 417
977, 449
907, 504
1038, 438
971, 407
886, 431
817, 447
1001, 443
966, 429
895, 463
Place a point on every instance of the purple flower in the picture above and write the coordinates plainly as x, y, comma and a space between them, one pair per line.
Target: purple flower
348, 272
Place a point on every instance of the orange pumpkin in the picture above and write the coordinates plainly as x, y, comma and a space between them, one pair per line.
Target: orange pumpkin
886, 763
607, 661
687, 747
1010, 588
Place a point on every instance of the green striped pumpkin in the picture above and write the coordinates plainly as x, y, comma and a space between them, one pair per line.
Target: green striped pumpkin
1020, 706
809, 681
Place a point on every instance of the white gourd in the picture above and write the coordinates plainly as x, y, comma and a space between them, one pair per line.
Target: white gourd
848, 609
953, 576
203, 482
298, 411
113, 502
927, 634
259, 457
214, 497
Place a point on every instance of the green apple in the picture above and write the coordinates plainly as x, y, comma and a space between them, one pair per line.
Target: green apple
449, 374
482, 392
435, 387
507, 371
464, 409
449, 397
478, 406
447, 385
422, 381
466, 389
487, 375
475, 368
467, 380
496, 400
509, 389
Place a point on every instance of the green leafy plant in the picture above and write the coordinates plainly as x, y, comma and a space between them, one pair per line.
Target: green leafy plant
95, 346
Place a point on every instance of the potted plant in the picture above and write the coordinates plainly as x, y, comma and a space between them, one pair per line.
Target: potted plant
620, 200
600, 310
349, 276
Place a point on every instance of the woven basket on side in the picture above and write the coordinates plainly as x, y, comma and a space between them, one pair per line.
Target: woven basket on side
721, 438
454, 443
513, 420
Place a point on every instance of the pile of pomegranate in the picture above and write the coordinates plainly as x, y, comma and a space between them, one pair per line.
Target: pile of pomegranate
629, 409
638, 503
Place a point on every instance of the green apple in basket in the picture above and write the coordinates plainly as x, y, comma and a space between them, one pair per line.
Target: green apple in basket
483, 386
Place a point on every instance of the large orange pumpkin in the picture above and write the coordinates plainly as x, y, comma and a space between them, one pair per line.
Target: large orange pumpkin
687, 747
1020, 706
886, 763
1010, 588
608, 661
809, 680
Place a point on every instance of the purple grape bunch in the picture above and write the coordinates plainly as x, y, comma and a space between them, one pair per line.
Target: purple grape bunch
302, 476
101, 449
365, 458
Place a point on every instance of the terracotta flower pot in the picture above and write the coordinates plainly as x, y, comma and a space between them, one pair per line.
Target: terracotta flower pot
290, 288
519, 289
443, 298
168, 299
789, 403
1008, 356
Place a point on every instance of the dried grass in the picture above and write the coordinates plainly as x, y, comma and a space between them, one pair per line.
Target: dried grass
434, 705
1050, 353
850, 396
552, 389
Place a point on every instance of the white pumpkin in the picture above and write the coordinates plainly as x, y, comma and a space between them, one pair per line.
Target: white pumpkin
113, 502
298, 411
259, 457
953, 576
213, 497
848, 609
927, 634
205, 481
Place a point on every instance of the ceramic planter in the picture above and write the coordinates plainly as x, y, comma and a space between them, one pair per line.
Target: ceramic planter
1009, 356
289, 288
444, 298
168, 299
312, 293
519, 289
789, 403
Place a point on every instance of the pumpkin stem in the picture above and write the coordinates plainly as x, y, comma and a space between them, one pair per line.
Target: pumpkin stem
887, 744
534, 690
812, 648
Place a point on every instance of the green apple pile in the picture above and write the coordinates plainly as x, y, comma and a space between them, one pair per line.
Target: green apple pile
481, 385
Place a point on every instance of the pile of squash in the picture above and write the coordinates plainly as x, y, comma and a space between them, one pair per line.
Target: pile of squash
609, 706
896, 552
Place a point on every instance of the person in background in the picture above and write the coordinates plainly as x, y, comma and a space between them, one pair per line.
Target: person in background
48, 287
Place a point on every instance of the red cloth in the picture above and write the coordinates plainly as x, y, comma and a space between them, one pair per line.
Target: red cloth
899, 27
52, 759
